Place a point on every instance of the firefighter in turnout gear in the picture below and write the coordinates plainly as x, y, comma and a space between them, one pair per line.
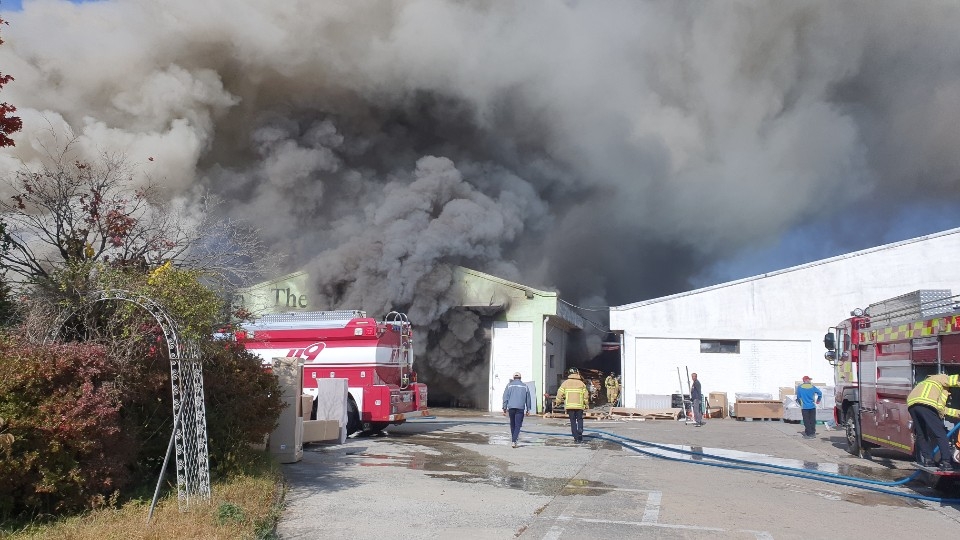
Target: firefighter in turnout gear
927, 403
573, 395
613, 388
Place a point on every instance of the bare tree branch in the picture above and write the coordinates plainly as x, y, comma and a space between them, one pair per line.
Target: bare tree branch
72, 213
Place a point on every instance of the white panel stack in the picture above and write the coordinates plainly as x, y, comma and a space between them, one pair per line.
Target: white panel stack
653, 402
331, 422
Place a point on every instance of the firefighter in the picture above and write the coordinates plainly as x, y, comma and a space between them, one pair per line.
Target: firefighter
613, 388
573, 395
927, 403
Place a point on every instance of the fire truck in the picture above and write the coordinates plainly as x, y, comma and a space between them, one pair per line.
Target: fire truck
376, 358
879, 354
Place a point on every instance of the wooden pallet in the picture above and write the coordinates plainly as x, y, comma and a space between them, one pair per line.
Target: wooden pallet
750, 419
587, 415
646, 414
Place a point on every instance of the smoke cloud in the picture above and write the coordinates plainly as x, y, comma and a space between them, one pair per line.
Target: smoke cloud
614, 150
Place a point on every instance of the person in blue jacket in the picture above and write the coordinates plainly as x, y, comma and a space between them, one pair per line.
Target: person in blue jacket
809, 397
516, 403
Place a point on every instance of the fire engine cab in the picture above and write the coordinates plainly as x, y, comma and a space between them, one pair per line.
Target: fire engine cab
879, 354
376, 358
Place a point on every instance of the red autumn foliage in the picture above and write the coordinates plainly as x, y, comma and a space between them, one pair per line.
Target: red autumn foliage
87, 429
69, 451
9, 124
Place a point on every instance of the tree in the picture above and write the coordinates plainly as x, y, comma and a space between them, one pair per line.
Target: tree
7, 307
70, 214
9, 124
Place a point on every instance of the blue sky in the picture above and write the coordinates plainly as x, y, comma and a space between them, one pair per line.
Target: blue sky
17, 5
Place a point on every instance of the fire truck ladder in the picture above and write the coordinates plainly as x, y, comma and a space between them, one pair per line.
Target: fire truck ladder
318, 319
401, 324
922, 304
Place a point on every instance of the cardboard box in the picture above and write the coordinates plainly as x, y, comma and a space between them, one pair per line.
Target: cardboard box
758, 409
306, 406
286, 441
787, 391
288, 449
717, 399
321, 430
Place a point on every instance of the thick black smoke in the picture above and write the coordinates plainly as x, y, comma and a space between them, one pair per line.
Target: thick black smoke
614, 151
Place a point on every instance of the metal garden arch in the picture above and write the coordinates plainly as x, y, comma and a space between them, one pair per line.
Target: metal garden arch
186, 379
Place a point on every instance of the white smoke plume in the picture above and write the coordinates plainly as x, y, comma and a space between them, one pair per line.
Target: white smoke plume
612, 150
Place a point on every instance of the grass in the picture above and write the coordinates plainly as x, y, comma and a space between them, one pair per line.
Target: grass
243, 506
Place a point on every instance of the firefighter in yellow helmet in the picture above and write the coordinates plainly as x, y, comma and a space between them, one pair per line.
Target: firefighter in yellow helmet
613, 388
573, 395
927, 403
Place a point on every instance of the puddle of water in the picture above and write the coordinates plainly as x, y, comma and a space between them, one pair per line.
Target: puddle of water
441, 454
578, 486
871, 498
856, 471
445, 458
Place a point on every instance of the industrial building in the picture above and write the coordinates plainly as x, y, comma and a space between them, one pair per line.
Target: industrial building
525, 329
765, 332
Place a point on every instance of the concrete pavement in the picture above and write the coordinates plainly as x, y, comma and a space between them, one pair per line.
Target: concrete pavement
458, 477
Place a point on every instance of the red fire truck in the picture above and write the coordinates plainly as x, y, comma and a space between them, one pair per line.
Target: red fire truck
879, 354
376, 358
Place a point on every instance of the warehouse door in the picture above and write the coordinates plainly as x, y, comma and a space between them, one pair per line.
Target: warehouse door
511, 350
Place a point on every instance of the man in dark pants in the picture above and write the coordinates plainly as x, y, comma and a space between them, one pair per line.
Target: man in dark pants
573, 395
696, 398
927, 403
809, 397
516, 403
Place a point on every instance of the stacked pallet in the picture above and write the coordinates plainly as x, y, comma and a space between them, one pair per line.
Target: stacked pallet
758, 409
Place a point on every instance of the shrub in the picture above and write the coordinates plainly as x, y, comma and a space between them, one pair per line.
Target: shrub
68, 451
243, 404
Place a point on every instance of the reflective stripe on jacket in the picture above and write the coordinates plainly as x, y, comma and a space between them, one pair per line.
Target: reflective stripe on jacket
932, 393
573, 393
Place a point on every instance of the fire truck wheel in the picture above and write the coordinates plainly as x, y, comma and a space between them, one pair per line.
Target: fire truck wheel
374, 428
353, 417
944, 485
854, 440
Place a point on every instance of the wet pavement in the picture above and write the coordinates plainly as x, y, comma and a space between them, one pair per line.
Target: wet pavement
456, 475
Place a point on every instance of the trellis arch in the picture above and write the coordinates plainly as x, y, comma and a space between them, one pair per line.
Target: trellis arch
186, 380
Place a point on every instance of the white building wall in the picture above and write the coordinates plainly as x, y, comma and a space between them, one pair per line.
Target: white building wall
779, 318
663, 365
